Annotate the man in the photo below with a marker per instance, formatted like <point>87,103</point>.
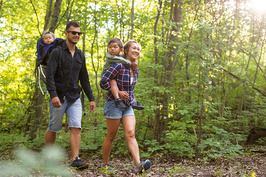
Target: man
<point>66,67</point>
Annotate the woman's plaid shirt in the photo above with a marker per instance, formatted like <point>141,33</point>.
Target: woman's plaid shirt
<point>120,73</point>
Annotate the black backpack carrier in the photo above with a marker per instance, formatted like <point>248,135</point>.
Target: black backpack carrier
<point>43,52</point>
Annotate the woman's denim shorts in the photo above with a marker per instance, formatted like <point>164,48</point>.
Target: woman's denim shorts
<point>112,112</point>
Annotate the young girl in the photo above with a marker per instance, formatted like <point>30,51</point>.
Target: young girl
<point>115,47</point>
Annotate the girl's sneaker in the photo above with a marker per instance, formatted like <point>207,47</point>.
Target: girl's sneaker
<point>143,166</point>
<point>107,169</point>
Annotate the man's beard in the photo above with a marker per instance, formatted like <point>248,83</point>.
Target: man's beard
<point>72,42</point>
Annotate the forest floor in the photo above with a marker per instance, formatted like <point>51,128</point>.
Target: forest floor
<point>252,165</point>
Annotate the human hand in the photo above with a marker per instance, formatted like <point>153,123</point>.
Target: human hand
<point>92,106</point>
<point>134,65</point>
<point>123,95</point>
<point>56,102</point>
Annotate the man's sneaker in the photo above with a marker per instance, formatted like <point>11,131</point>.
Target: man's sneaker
<point>119,103</point>
<point>143,166</point>
<point>107,169</point>
<point>136,105</point>
<point>77,163</point>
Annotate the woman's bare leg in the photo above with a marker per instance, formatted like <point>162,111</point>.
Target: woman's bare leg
<point>129,123</point>
<point>112,127</point>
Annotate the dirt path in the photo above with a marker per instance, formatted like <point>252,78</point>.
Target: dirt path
<point>253,165</point>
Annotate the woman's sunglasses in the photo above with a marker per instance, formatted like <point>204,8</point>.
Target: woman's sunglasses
<point>75,32</point>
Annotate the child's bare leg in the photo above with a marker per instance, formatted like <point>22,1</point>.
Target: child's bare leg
<point>114,89</point>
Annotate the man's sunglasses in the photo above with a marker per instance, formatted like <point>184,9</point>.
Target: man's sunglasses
<point>75,32</point>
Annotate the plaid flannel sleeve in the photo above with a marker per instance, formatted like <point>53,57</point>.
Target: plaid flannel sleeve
<point>109,75</point>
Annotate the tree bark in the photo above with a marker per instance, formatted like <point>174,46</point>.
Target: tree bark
<point>169,62</point>
<point>1,4</point>
<point>48,14</point>
<point>132,19</point>
<point>38,22</point>
<point>55,16</point>
<point>92,46</point>
<point>38,98</point>
<point>70,11</point>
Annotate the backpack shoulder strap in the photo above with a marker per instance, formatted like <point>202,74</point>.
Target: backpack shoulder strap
<point>61,59</point>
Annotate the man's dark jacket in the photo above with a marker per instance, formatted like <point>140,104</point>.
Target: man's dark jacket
<point>64,73</point>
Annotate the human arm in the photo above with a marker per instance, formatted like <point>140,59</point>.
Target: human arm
<point>109,75</point>
<point>123,95</point>
<point>50,75</point>
<point>56,102</point>
<point>92,106</point>
<point>114,89</point>
<point>134,65</point>
<point>85,83</point>
<point>116,92</point>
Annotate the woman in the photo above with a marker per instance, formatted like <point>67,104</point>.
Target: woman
<point>126,80</point>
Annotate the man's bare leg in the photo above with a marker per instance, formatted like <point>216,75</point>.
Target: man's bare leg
<point>74,139</point>
<point>50,138</point>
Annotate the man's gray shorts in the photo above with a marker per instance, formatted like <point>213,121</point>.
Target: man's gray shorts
<point>73,111</point>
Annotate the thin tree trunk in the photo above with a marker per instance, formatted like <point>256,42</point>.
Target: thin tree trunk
<point>132,19</point>
<point>156,39</point>
<point>1,4</point>
<point>36,116</point>
<point>92,46</point>
<point>169,63</point>
<point>55,16</point>
<point>38,98</point>
<point>38,22</point>
<point>70,11</point>
<point>261,51</point>
<point>48,14</point>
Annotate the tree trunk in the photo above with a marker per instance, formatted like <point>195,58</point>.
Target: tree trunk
<point>48,14</point>
<point>169,62</point>
<point>55,16</point>
<point>1,4</point>
<point>92,46</point>
<point>70,10</point>
<point>38,98</point>
<point>132,19</point>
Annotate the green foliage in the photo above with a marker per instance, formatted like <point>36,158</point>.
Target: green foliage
<point>178,140</point>
<point>93,132</point>
<point>29,163</point>
<point>179,170</point>
<point>218,142</point>
<point>218,74</point>
<point>108,170</point>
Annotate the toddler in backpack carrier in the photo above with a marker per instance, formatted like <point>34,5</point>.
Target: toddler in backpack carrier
<point>45,45</point>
